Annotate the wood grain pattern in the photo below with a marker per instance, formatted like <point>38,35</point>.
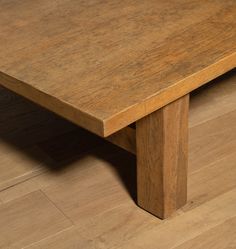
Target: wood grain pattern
<point>213,100</point>
<point>103,231</point>
<point>29,219</point>
<point>182,228</point>
<point>23,123</point>
<point>104,65</point>
<point>92,193</point>
<point>17,166</point>
<point>213,134</point>
<point>87,188</point>
<point>186,226</point>
<point>222,236</point>
<point>162,148</point>
<point>67,239</point>
<point>22,126</point>
<point>203,183</point>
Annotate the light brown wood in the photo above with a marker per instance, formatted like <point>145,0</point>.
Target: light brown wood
<point>104,65</point>
<point>45,219</point>
<point>213,138</point>
<point>222,236</point>
<point>213,100</point>
<point>203,184</point>
<point>93,190</point>
<point>181,229</point>
<point>125,138</point>
<point>162,148</point>
<point>186,226</point>
<point>67,239</point>
<point>22,126</point>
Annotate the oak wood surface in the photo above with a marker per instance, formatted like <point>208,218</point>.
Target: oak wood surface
<point>217,131</point>
<point>222,236</point>
<point>92,190</point>
<point>22,125</point>
<point>187,226</point>
<point>69,238</point>
<point>162,158</point>
<point>213,99</point>
<point>106,64</point>
<point>45,219</point>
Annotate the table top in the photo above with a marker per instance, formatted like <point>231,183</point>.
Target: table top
<point>105,64</point>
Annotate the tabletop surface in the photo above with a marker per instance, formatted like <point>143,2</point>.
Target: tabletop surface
<point>105,64</point>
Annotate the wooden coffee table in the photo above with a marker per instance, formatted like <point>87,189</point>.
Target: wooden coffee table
<point>122,70</point>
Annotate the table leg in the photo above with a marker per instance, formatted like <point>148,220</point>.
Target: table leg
<point>162,156</point>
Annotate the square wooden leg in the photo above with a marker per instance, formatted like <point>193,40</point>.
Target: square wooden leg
<point>162,156</point>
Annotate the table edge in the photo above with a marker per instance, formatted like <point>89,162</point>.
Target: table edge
<point>129,115</point>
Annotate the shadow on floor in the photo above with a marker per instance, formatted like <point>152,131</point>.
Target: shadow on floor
<point>56,143</point>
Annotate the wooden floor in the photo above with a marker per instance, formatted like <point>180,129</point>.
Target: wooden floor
<point>62,187</point>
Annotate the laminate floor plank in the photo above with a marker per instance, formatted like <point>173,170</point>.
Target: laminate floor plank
<point>142,234</point>
<point>210,134</point>
<point>91,193</point>
<point>222,236</point>
<point>17,166</point>
<point>52,145</point>
<point>67,239</point>
<point>186,226</point>
<point>70,165</point>
<point>26,131</point>
<point>95,189</point>
<point>97,231</point>
<point>211,181</point>
<point>29,219</point>
<point>213,99</point>
<point>127,221</point>
<point>212,140</point>
<point>19,190</point>
<point>203,184</point>
<point>24,124</point>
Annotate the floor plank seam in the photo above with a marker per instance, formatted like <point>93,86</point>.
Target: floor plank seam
<point>210,200</point>
<point>209,120</point>
<point>24,180</point>
<point>209,165</point>
<point>198,219</point>
<point>48,237</point>
<point>19,197</point>
<point>56,207</point>
<point>205,231</point>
